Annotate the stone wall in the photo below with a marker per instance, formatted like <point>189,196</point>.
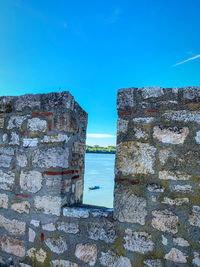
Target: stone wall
<point>156,216</point>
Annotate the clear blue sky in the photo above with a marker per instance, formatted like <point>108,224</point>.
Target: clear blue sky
<point>92,48</point>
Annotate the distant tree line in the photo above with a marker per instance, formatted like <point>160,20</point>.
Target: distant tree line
<point>101,149</point>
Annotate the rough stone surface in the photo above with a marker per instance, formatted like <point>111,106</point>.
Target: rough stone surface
<point>122,125</point>
<point>49,227</point>
<point>55,139</point>
<point>21,207</point>
<point>76,212</point>
<point>63,263</point>
<point>153,263</point>
<point>127,206</point>
<point>167,175</point>
<point>182,188</point>
<point>30,142</point>
<point>38,255</point>
<point>4,201</point>
<point>171,135</point>
<point>176,255</point>
<point>52,157</point>
<point>87,253</point>
<point>57,245</point>
<point>35,223</point>
<point>15,122</point>
<point>22,160</point>
<point>31,181</point>
<point>14,227</point>
<point>194,218</point>
<point>165,221</point>
<point>13,246</point>
<point>31,235</point>
<point>14,139</point>
<point>197,137</point>
<point>110,259</point>
<point>181,242</point>
<point>140,242</point>
<point>48,205</point>
<point>37,124</point>
<point>134,157</point>
<point>70,228</point>
<point>196,260</point>
<point>176,201</point>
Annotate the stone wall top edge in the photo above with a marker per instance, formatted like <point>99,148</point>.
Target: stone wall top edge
<point>156,97</point>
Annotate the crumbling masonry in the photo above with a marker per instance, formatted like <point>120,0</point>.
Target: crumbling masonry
<point>156,216</point>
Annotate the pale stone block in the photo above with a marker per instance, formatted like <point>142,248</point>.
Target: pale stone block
<point>182,188</point>
<point>14,227</point>
<point>153,187</point>
<point>31,181</point>
<point>171,135</point>
<point>140,134</point>
<point>7,180</point>
<point>70,228</point>
<point>165,221</point>
<point>148,92</point>
<point>13,246</point>
<point>55,139</point>
<point>35,223</point>
<point>153,263</point>
<point>30,142</point>
<point>102,231</point>
<point>164,154</point>
<point>31,235</point>
<point>5,161</point>
<point>167,175</point>
<point>76,212</point>
<point>57,245</point>
<point>182,115</point>
<point>37,125</point>
<point>134,158</point>
<point>176,201</point>
<point>22,160</point>
<point>194,218</point>
<point>50,158</point>
<point>48,205</point>
<point>49,227</point>
<point>164,240</point>
<point>21,207</point>
<point>196,259</point>
<point>27,101</point>
<point>16,122</point>
<point>87,253</point>
<point>181,242</point>
<point>143,120</point>
<point>176,256</point>
<point>127,206</point>
<point>140,242</point>
<point>110,259</point>
<point>79,148</point>
<point>4,201</point>
<point>38,255</point>
<point>63,263</point>
<point>65,122</point>
<point>14,139</point>
<point>122,126</point>
<point>5,138</point>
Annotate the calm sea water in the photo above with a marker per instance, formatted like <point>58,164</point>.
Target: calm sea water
<point>99,170</point>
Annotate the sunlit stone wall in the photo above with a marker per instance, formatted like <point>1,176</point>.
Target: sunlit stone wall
<point>157,190</point>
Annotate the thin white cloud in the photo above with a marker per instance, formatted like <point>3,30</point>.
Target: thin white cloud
<point>93,135</point>
<point>189,59</point>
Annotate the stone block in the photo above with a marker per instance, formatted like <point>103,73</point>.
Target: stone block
<point>134,158</point>
<point>14,227</point>
<point>14,140</point>
<point>30,142</point>
<point>63,263</point>
<point>76,212</point>
<point>37,254</point>
<point>194,217</point>
<point>104,231</point>
<point>87,253</point>
<point>27,101</point>
<point>176,201</point>
<point>48,205</point>
<point>49,227</point>
<point>68,227</point>
<point>110,259</point>
<point>37,125</point>
<point>197,137</point>
<point>165,221</point>
<point>4,201</point>
<point>153,263</point>
<point>170,135</point>
<point>21,160</point>
<point>13,246</point>
<point>51,158</point>
<point>7,180</point>
<point>140,242</point>
<point>16,122</point>
<point>56,139</point>
<point>179,241</point>
<point>31,181</point>
<point>65,122</point>
<point>176,255</point>
<point>31,235</point>
<point>1,122</point>
<point>21,207</point>
<point>127,206</point>
<point>167,175</point>
<point>56,245</point>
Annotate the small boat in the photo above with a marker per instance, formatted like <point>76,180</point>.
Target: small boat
<point>94,187</point>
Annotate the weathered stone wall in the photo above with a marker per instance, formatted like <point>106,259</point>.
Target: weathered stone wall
<point>156,216</point>
<point>157,191</point>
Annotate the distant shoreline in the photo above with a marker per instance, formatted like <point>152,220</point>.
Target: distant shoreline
<point>101,150</point>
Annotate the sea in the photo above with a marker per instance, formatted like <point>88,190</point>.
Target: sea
<point>99,171</point>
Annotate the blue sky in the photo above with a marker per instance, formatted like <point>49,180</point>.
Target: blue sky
<point>92,48</point>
